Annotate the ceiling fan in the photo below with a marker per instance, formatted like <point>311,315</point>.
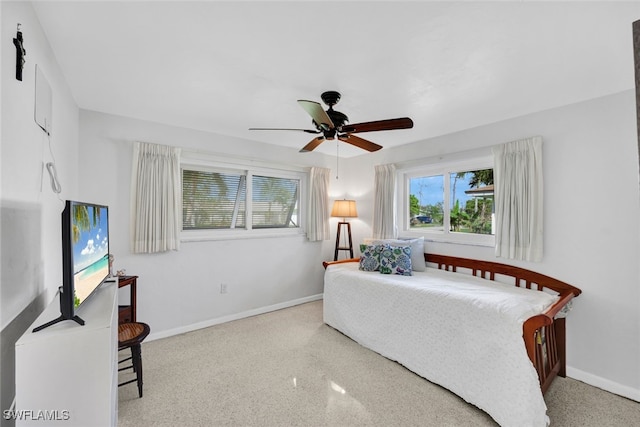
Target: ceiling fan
<point>331,124</point>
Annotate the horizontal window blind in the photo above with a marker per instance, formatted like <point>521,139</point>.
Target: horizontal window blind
<point>274,202</point>
<point>213,200</point>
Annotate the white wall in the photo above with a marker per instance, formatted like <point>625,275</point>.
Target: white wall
<point>179,291</point>
<point>592,228</point>
<point>30,271</point>
<point>25,149</point>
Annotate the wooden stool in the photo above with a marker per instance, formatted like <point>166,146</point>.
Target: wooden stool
<point>131,335</point>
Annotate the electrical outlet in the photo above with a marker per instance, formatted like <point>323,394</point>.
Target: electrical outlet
<point>223,288</point>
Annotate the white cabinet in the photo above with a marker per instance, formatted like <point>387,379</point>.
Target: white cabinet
<point>67,374</point>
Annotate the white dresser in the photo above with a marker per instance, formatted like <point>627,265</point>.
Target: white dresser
<point>67,374</point>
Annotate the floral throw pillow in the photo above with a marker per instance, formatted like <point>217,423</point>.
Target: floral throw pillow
<point>370,259</point>
<point>395,260</point>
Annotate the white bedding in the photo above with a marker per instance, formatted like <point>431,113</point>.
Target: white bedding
<point>455,330</point>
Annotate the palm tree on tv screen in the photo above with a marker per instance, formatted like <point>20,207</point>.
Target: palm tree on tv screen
<point>82,221</point>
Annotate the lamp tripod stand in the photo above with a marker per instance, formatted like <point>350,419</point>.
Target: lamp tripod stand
<point>343,248</point>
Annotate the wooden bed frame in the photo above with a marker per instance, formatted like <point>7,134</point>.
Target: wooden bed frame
<point>543,334</point>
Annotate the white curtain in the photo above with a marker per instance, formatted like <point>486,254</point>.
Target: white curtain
<point>384,209</point>
<point>318,218</point>
<point>156,198</point>
<point>518,197</point>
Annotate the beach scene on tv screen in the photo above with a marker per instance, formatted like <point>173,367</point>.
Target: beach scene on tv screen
<point>90,249</point>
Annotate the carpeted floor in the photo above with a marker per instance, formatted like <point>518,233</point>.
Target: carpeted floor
<point>287,368</point>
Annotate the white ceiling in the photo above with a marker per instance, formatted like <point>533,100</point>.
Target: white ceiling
<point>227,66</point>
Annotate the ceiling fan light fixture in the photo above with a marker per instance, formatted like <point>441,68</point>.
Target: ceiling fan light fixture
<point>330,97</point>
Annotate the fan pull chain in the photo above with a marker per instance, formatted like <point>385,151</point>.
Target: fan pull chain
<point>337,157</point>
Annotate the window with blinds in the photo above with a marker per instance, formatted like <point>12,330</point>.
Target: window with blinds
<point>212,200</point>
<point>274,202</point>
<point>218,200</point>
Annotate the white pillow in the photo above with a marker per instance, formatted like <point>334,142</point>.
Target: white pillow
<point>417,252</point>
<point>417,249</point>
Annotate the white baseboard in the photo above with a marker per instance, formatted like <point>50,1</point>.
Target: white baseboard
<point>231,317</point>
<point>604,384</point>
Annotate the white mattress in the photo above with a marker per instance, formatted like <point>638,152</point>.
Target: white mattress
<point>456,330</point>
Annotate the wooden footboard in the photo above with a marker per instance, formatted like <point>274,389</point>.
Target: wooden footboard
<point>543,334</point>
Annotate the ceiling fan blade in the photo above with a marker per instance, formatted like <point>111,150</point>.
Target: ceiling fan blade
<point>313,144</point>
<point>359,142</point>
<point>317,113</point>
<point>390,124</point>
<point>299,130</point>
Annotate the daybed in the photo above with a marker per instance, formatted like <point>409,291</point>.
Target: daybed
<point>459,325</point>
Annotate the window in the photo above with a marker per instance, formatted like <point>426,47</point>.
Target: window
<point>426,201</point>
<point>221,202</point>
<point>472,202</point>
<point>275,202</point>
<point>449,203</point>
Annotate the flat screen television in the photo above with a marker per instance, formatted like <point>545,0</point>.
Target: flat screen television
<point>85,256</point>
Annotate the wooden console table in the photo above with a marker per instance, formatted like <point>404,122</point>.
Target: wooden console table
<point>127,313</point>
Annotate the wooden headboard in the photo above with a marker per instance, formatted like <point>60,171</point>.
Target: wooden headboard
<point>489,270</point>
